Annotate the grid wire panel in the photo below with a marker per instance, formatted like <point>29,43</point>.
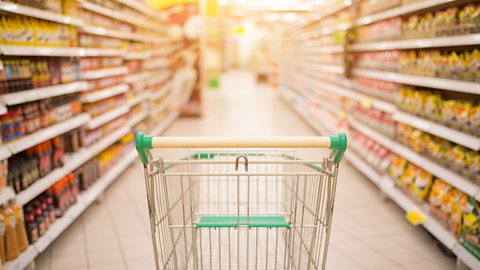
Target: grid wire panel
<point>178,202</point>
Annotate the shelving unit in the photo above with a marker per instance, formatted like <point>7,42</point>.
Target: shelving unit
<point>313,89</point>
<point>146,41</point>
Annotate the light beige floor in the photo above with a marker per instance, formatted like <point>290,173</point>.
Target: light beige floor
<point>369,233</point>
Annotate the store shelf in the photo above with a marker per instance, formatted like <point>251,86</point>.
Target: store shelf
<point>105,72</point>
<point>141,7</point>
<point>322,67</point>
<point>4,152</point>
<point>137,55</point>
<point>139,98</point>
<point>39,13</point>
<point>83,201</point>
<point>439,130</point>
<point>105,93</point>
<point>44,92</point>
<point>466,257</point>
<point>157,63</point>
<point>97,52</point>
<point>433,226</point>
<point>432,167</point>
<point>318,49</point>
<point>432,82</point>
<point>161,92</point>
<point>87,197</point>
<point>142,76</point>
<point>108,116</point>
<point>437,42</point>
<point>124,17</point>
<point>72,162</point>
<point>23,260</point>
<point>363,99</point>
<point>328,11</point>
<point>57,51</point>
<point>402,10</point>
<point>38,50</point>
<point>364,167</point>
<point>137,119</point>
<point>48,133</point>
<point>160,108</point>
<point>6,193</point>
<point>159,78</point>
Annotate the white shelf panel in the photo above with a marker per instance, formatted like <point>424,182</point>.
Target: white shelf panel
<point>139,98</point>
<point>161,92</point>
<point>439,130</point>
<point>44,92</point>
<point>71,163</point>
<point>142,76</point>
<point>137,119</point>
<point>108,116</point>
<point>159,78</point>
<point>141,7</point>
<point>105,93</point>
<point>6,194</point>
<point>105,72</point>
<point>432,82</point>
<point>451,41</point>
<point>363,167</point>
<point>327,12</point>
<point>57,51</point>
<point>138,55</point>
<point>466,257</point>
<point>38,50</point>
<point>44,134</point>
<point>432,167</point>
<point>116,15</point>
<point>4,152</point>
<point>23,260</point>
<point>319,49</point>
<point>40,14</point>
<point>93,52</point>
<point>394,12</point>
<point>364,99</point>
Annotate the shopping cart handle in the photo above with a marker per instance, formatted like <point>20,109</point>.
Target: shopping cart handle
<point>338,143</point>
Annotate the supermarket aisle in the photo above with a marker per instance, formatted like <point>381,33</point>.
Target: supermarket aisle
<point>368,233</point>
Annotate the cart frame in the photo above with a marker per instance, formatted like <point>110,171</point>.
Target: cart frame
<point>206,212</point>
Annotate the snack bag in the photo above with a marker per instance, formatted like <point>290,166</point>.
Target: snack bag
<point>432,105</point>
<point>475,168</point>
<point>408,178</point>
<point>417,140</point>
<point>397,168</point>
<point>458,159</point>
<point>474,120</point>
<point>457,203</point>
<point>436,199</point>
<point>422,184</point>
<point>470,237</point>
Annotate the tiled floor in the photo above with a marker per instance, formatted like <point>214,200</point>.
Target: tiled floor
<point>369,232</point>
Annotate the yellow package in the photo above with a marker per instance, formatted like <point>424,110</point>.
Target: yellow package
<point>408,177</point>
<point>397,168</point>
<point>422,184</point>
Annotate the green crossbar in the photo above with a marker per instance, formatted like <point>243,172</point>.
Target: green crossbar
<point>235,221</point>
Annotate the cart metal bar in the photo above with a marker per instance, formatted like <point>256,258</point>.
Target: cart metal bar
<point>338,143</point>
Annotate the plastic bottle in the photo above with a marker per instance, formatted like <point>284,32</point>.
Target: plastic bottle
<point>11,243</point>
<point>20,230</point>
<point>2,238</point>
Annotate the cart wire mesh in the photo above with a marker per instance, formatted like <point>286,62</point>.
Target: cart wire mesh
<point>241,209</point>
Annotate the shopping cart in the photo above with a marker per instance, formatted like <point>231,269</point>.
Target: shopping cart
<point>240,209</point>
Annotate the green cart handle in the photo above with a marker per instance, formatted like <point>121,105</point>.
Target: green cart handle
<point>338,143</point>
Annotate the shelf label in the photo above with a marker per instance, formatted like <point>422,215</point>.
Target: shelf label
<point>416,217</point>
